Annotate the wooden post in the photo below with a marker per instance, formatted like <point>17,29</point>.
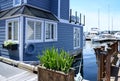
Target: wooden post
<point>70,15</point>
<point>98,56</point>
<point>108,64</point>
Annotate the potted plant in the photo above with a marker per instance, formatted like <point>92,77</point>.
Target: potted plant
<point>10,45</point>
<point>55,66</point>
<point>12,48</point>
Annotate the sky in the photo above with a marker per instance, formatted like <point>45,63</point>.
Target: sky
<point>104,14</point>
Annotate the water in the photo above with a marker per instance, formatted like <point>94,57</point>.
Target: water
<point>89,63</point>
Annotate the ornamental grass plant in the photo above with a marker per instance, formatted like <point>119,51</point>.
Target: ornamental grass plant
<point>58,61</point>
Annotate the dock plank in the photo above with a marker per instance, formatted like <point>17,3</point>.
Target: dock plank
<point>11,73</point>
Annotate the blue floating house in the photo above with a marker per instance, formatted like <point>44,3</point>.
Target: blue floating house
<point>39,24</point>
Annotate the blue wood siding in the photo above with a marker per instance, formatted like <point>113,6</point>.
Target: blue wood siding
<point>64,9</point>
<point>3,52</point>
<point>54,7</point>
<point>44,4</point>
<point>65,41</point>
<point>2,31</point>
<point>5,4</point>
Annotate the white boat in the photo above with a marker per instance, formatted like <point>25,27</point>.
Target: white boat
<point>94,32</point>
<point>117,35</point>
<point>103,37</point>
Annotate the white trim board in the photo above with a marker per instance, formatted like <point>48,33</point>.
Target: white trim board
<point>21,39</point>
<point>67,22</point>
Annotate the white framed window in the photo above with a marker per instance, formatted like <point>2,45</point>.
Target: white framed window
<point>34,30</point>
<point>76,40</point>
<point>50,31</point>
<point>17,2</point>
<point>12,29</point>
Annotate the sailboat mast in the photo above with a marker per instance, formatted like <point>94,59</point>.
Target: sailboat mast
<point>108,18</point>
<point>99,19</point>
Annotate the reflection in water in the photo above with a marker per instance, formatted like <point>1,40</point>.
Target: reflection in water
<point>90,66</point>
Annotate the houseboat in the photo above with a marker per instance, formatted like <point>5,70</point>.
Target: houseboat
<point>35,25</point>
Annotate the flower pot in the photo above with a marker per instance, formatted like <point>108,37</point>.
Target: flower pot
<point>5,47</point>
<point>14,54</point>
<point>11,47</point>
<point>14,47</point>
<point>50,75</point>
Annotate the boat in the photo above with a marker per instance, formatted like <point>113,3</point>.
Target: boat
<point>94,32</point>
<point>117,35</point>
<point>103,38</point>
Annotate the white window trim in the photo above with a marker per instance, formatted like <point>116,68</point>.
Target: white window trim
<point>9,20</point>
<point>17,4</point>
<point>73,37</point>
<point>35,40</point>
<point>55,35</point>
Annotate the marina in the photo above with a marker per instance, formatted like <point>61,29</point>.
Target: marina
<point>59,40</point>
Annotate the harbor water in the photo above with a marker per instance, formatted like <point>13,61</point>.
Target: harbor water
<point>89,62</point>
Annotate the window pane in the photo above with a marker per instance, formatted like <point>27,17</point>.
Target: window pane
<point>30,30</point>
<point>48,34</point>
<point>9,30</point>
<point>38,30</point>
<point>76,37</point>
<point>52,31</point>
<point>15,30</point>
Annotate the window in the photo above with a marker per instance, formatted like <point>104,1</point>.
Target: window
<point>76,37</point>
<point>50,31</point>
<point>12,30</point>
<point>16,2</point>
<point>34,30</point>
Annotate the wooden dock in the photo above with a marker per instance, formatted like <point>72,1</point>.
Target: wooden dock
<point>25,76</point>
<point>22,72</point>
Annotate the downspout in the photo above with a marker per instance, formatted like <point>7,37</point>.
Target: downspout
<point>21,39</point>
<point>59,3</point>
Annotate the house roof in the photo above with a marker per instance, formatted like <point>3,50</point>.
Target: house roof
<point>28,10</point>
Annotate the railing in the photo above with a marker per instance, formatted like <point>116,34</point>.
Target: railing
<point>77,19</point>
<point>105,59</point>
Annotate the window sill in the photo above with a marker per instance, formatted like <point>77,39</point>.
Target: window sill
<point>50,40</point>
<point>34,41</point>
<point>77,47</point>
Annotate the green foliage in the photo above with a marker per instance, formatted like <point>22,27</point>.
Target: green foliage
<point>54,60</point>
<point>8,42</point>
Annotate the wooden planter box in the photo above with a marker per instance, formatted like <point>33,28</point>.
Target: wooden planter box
<point>50,75</point>
<point>11,47</point>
